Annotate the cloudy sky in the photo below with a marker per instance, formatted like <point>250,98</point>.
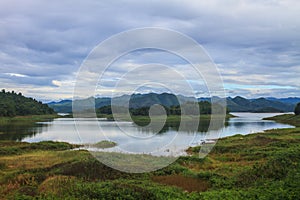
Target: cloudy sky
<point>255,44</point>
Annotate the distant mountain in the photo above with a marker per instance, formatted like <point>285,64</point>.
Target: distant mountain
<point>135,101</point>
<point>146,100</point>
<point>100,102</point>
<point>64,106</point>
<point>236,104</point>
<point>203,99</point>
<point>267,110</point>
<point>289,100</point>
<point>61,102</point>
<point>166,99</point>
<point>240,104</point>
<point>233,106</point>
<point>13,104</point>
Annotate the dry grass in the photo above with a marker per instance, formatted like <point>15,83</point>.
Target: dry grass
<point>34,160</point>
<point>56,184</point>
<point>186,183</point>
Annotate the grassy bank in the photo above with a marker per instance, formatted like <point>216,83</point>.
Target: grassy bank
<point>257,166</point>
<point>287,119</point>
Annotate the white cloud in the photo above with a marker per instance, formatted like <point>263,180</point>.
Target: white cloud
<point>16,75</point>
<point>42,43</point>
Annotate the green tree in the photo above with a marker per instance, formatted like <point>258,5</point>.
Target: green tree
<point>297,109</point>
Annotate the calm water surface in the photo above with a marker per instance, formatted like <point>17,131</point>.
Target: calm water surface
<point>132,138</point>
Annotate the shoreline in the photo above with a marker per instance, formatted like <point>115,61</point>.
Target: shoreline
<point>290,119</point>
<point>38,118</point>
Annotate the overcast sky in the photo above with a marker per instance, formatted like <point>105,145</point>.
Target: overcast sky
<point>254,43</point>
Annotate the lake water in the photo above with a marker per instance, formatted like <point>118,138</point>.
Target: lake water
<point>134,139</point>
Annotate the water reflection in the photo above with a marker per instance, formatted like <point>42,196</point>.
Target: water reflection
<point>184,126</point>
<point>94,130</point>
<point>17,131</point>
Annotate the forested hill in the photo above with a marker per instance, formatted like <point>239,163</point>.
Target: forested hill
<point>136,101</point>
<point>13,104</point>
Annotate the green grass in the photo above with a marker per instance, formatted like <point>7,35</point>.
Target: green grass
<point>104,144</point>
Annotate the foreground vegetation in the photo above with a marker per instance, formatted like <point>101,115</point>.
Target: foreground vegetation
<point>258,166</point>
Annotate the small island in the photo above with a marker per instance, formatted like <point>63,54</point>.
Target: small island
<point>104,144</point>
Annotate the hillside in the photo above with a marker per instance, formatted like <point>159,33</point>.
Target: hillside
<point>289,100</point>
<point>240,104</point>
<point>13,104</point>
<point>63,106</point>
<point>135,101</point>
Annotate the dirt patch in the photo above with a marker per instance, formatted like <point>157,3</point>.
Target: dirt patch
<point>187,183</point>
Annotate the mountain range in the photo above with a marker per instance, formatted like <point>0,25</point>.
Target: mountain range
<point>236,104</point>
<point>240,104</point>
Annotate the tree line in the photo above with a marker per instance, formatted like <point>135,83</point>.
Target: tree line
<point>15,104</point>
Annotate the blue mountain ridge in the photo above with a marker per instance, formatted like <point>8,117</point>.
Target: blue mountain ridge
<point>236,104</point>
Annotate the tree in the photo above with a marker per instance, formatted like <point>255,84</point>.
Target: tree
<point>297,109</point>
<point>12,104</point>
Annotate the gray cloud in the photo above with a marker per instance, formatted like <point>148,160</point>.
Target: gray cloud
<point>252,42</point>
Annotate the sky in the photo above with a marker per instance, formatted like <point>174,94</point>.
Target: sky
<point>255,44</point>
